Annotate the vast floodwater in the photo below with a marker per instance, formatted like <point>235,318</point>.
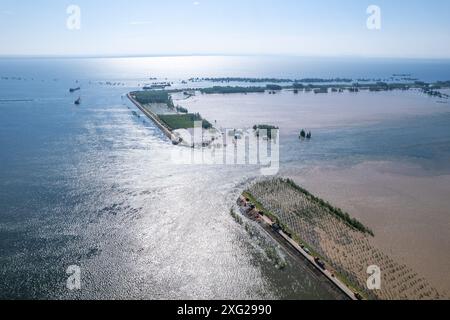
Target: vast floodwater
<point>94,186</point>
<point>347,127</point>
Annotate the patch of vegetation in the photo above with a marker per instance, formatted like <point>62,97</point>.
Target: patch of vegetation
<point>228,90</point>
<point>321,90</point>
<point>184,121</point>
<point>345,84</point>
<point>259,206</point>
<point>250,80</point>
<point>236,217</point>
<point>435,93</point>
<point>182,110</point>
<point>283,227</point>
<point>153,96</point>
<point>267,130</point>
<point>443,84</point>
<point>273,256</point>
<point>344,216</point>
<point>269,250</point>
<point>305,135</point>
<point>250,230</point>
<point>320,80</point>
<point>274,87</point>
<point>273,80</point>
<point>306,246</point>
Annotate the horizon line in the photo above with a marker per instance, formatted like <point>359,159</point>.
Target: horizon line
<point>163,55</point>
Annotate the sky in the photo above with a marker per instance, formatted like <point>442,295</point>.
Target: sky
<point>409,28</point>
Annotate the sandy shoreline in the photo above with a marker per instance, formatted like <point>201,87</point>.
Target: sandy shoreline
<point>407,209</point>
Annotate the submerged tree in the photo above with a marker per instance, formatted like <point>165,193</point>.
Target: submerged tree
<point>303,134</point>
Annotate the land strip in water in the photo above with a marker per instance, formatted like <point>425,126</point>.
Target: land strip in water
<point>271,226</point>
<point>317,86</point>
<point>332,242</point>
<point>157,105</point>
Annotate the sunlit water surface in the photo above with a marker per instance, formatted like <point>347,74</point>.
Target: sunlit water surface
<point>94,186</point>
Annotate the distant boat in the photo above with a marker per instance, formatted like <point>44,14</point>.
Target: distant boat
<point>74,89</point>
<point>78,101</point>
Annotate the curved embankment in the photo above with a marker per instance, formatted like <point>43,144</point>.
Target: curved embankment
<point>152,116</point>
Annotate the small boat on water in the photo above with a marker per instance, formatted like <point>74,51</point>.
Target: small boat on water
<point>78,101</point>
<point>74,89</point>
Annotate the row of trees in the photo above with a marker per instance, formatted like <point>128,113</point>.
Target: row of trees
<point>305,135</point>
<point>154,96</point>
<point>267,129</point>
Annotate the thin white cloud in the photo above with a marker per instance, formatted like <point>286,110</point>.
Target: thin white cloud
<point>140,23</point>
<point>196,3</point>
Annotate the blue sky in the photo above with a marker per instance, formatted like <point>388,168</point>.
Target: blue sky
<point>409,28</point>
